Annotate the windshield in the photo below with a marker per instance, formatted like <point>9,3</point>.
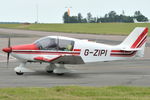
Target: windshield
<point>55,44</point>
<point>46,44</point>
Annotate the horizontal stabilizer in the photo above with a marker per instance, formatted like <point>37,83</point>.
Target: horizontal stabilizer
<point>132,49</point>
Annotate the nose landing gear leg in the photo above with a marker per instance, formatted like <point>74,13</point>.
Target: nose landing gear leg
<point>21,69</point>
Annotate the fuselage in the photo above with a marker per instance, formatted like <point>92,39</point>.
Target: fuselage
<point>58,51</point>
<point>88,50</point>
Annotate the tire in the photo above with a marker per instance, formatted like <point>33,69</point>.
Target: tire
<point>49,71</point>
<point>60,74</point>
<point>19,73</point>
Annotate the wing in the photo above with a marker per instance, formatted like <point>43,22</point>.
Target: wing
<point>66,59</point>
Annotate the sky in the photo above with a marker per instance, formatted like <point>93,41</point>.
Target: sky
<point>51,11</point>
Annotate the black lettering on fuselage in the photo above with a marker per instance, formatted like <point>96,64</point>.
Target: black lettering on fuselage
<point>96,52</point>
<point>86,53</point>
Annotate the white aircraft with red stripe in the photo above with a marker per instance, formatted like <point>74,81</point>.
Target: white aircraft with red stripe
<point>58,51</point>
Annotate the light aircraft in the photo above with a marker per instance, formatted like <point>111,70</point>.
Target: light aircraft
<point>59,50</point>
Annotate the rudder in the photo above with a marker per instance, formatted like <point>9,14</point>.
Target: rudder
<point>136,39</point>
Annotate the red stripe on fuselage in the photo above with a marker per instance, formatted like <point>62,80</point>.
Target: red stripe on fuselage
<point>46,52</point>
<point>124,55</point>
<point>120,51</point>
<point>76,49</point>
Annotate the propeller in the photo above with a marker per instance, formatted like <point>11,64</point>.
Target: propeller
<point>8,50</point>
<point>8,53</point>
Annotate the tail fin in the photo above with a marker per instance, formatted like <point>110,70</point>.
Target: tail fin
<point>136,41</point>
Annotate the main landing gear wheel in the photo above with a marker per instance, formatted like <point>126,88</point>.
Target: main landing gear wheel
<point>49,71</point>
<point>50,68</point>
<point>19,73</point>
<point>60,74</point>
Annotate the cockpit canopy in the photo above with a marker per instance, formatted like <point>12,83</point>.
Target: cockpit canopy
<point>55,43</point>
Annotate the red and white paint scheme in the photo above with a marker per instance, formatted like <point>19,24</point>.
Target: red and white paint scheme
<point>58,50</point>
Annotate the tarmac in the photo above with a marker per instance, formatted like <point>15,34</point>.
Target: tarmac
<point>117,73</point>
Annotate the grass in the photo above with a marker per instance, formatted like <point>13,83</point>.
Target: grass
<point>76,93</point>
<point>93,28</point>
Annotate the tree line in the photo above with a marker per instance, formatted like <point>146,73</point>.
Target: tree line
<point>112,16</point>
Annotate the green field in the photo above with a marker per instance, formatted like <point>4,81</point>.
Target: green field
<point>95,28</point>
<point>76,93</point>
